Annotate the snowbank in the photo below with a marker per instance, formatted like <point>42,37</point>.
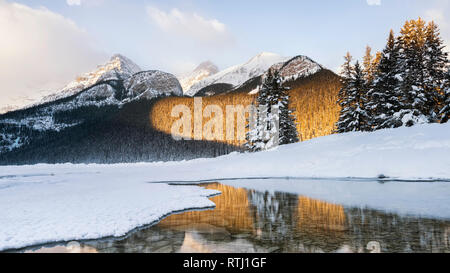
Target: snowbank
<point>421,152</point>
<point>40,208</point>
<point>417,153</point>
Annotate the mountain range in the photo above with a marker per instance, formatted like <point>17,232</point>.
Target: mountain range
<point>106,115</point>
<point>118,68</point>
<point>239,74</point>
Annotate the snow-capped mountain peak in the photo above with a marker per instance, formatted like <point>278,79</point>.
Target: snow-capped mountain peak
<point>264,58</point>
<point>202,71</point>
<point>208,66</point>
<point>298,67</point>
<point>118,67</point>
<point>239,74</point>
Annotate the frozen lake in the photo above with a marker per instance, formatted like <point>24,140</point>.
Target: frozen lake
<point>278,215</point>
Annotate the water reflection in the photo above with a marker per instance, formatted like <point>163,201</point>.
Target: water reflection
<point>253,221</point>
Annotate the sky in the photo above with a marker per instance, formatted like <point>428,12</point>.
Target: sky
<point>47,43</point>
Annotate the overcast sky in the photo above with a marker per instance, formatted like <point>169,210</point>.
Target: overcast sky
<point>46,43</point>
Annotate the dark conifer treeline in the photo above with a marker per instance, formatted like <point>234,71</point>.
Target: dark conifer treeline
<point>111,134</point>
<point>405,84</point>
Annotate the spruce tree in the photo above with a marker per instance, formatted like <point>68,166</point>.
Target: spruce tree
<point>258,136</point>
<point>416,100</point>
<point>268,120</point>
<point>445,112</point>
<point>370,67</point>
<point>346,77</point>
<point>354,116</point>
<point>278,112</point>
<point>384,95</point>
<point>436,62</point>
<point>288,128</point>
<point>272,116</point>
<point>253,131</point>
<point>361,119</point>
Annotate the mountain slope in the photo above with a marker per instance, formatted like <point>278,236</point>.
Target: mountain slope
<point>118,68</point>
<point>22,127</point>
<point>204,70</point>
<point>129,118</point>
<point>297,67</point>
<point>239,74</point>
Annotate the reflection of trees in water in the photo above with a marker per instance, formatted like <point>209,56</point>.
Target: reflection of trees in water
<point>297,224</point>
<point>321,226</point>
<point>232,212</point>
<point>302,224</point>
<point>274,217</point>
<point>246,221</point>
<point>396,233</point>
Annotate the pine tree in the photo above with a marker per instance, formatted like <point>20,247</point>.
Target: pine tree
<point>385,93</point>
<point>273,122</point>
<point>258,135</point>
<point>416,100</point>
<point>253,131</point>
<point>436,62</point>
<point>370,67</point>
<point>354,116</point>
<point>445,112</point>
<point>288,128</point>
<point>346,76</point>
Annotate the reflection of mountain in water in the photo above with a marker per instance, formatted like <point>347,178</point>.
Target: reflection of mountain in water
<point>252,221</point>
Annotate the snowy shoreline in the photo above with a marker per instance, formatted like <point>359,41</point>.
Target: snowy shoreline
<point>45,209</point>
<point>65,202</point>
<point>106,238</point>
<point>417,153</point>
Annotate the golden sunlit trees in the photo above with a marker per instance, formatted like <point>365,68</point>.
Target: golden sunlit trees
<point>417,100</point>
<point>370,64</point>
<point>313,100</point>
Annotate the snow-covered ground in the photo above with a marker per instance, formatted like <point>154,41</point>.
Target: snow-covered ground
<point>76,204</point>
<point>45,203</point>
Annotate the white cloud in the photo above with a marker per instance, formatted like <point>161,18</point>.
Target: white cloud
<point>40,51</point>
<point>84,2</point>
<point>374,2</point>
<point>73,2</point>
<point>191,25</point>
